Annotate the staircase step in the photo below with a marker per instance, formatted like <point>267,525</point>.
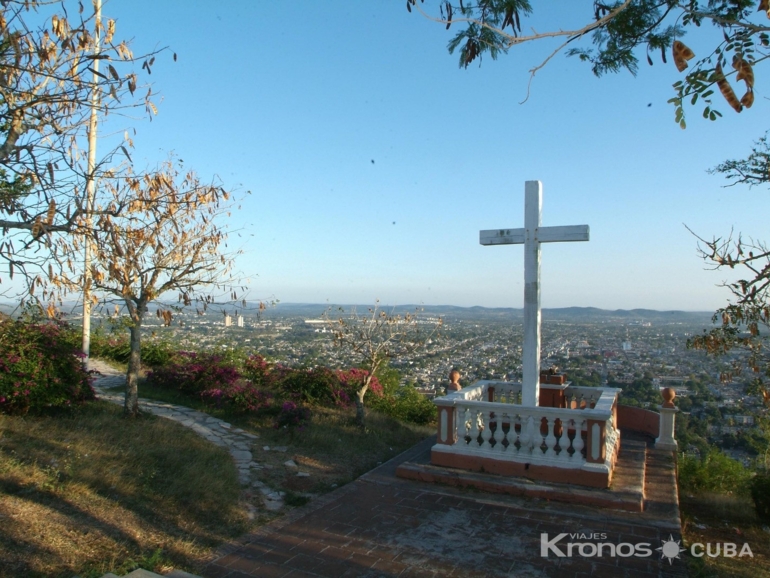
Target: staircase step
<point>141,573</point>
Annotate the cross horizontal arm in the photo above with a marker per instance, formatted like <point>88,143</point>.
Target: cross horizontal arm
<point>562,234</point>
<point>502,237</point>
<point>542,235</point>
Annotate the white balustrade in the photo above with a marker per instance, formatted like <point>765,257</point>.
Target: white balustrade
<point>553,436</point>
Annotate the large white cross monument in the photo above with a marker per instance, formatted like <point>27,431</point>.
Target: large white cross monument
<point>531,236</point>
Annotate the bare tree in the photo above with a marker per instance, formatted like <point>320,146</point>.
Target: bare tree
<point>166,237</point>
<point>744,324</point>
<point>47,67</point>
<point>376,338</point>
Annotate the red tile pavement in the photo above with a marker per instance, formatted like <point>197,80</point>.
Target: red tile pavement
<point>381,525</point>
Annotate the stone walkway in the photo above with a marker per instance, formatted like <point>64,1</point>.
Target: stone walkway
<point>239,443</point>
<point>384,526</point>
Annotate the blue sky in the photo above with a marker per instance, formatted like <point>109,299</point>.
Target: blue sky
<point>292,101</point>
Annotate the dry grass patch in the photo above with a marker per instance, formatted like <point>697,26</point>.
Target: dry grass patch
<point>720,519</point>
<point>89,492</point>
<point>332,449</point>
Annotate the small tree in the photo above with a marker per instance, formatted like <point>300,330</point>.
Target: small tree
<point>166,238</point>
<point>47,63</point>
<point>376,338</point>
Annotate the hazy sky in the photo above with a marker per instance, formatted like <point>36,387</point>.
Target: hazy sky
<point>373,161</point>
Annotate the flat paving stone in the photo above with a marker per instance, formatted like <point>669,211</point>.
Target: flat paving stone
<point>382,525</point>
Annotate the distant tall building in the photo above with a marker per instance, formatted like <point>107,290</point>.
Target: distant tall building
<point>626,346</point>
<point>228,321</point>
<point>240,321</point>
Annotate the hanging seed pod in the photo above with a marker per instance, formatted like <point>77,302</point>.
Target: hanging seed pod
<point>682,54</point>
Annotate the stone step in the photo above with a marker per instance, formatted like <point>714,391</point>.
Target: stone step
<point>141,573</point>
<point>627,491</point>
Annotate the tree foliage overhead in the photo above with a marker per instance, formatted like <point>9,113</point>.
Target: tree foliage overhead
<point>617,35</point>
<point>48,56</point>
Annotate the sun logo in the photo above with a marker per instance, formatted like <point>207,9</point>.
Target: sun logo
<point>670,549</point>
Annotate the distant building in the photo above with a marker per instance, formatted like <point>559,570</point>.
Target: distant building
<point>240,321</point>
<point>228,321</point>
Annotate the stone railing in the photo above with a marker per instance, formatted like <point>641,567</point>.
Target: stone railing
<point>483,427</point>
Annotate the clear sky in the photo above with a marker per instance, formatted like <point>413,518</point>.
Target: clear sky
<point>373,160</point>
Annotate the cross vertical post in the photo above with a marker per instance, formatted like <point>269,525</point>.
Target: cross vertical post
<point>531,236</point>
<point>533,205</point>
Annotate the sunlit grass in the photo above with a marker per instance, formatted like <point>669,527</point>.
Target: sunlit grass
<point>89,492</point>
<point>333,449</point>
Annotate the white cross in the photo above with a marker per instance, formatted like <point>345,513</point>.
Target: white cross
<point>531,236</point>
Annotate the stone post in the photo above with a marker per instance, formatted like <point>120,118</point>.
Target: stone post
<point>668,411</point>
<point>447,426</point>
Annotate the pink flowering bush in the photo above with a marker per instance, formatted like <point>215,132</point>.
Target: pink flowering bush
<point>259,371</point>
<point>241,398</point>
<point>318,385</point>
<point>353,380</point>
<point>39,367</point>
<point>193,373</point>
<point>292,416</point>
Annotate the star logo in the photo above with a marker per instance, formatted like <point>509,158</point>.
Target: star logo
<point>670,549</point>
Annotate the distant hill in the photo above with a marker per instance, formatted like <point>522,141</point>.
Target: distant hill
<point>569,314</point>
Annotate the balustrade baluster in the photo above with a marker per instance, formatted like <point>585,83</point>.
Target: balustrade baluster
<point>486,430</point>
<point>474,430</point>
<point>528,433</point>
<point>550,438</point>
<point>462,427</point>
<point>577,443</point>
<point>502,435</point>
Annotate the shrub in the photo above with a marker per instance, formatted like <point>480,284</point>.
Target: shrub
<point>319,385</point>
<point>244,397</point>
<point>195,373</point>
<point>155,351</point>
<point>714,472</point>
<point>406,404</point>
<point>760,494</point>
<point>353,380</point>
<point>292,416</point>
<point>258,371</point>
<point>39,367</point>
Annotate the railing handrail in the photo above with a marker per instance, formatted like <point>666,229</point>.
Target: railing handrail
<point>599,413</point>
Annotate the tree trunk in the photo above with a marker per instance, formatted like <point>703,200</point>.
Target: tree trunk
<point>134,363</point>
<point>360,410</point>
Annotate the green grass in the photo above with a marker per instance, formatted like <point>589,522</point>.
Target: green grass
<point>333,449</point>
<point>89,492</point>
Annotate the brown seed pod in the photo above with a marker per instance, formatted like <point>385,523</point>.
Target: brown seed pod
<point>764,6</point>
<point>748,99</point>
<point>727,90</point>
<point>682,54</point>
<point>745,71</point>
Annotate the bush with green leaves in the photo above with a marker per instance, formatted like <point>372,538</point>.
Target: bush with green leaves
<point>714,472</point>
<point>39,367</point>
<point>155,351</point>
<point>406,404</point>
<point>319,385</point>
<point>760,494</point>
